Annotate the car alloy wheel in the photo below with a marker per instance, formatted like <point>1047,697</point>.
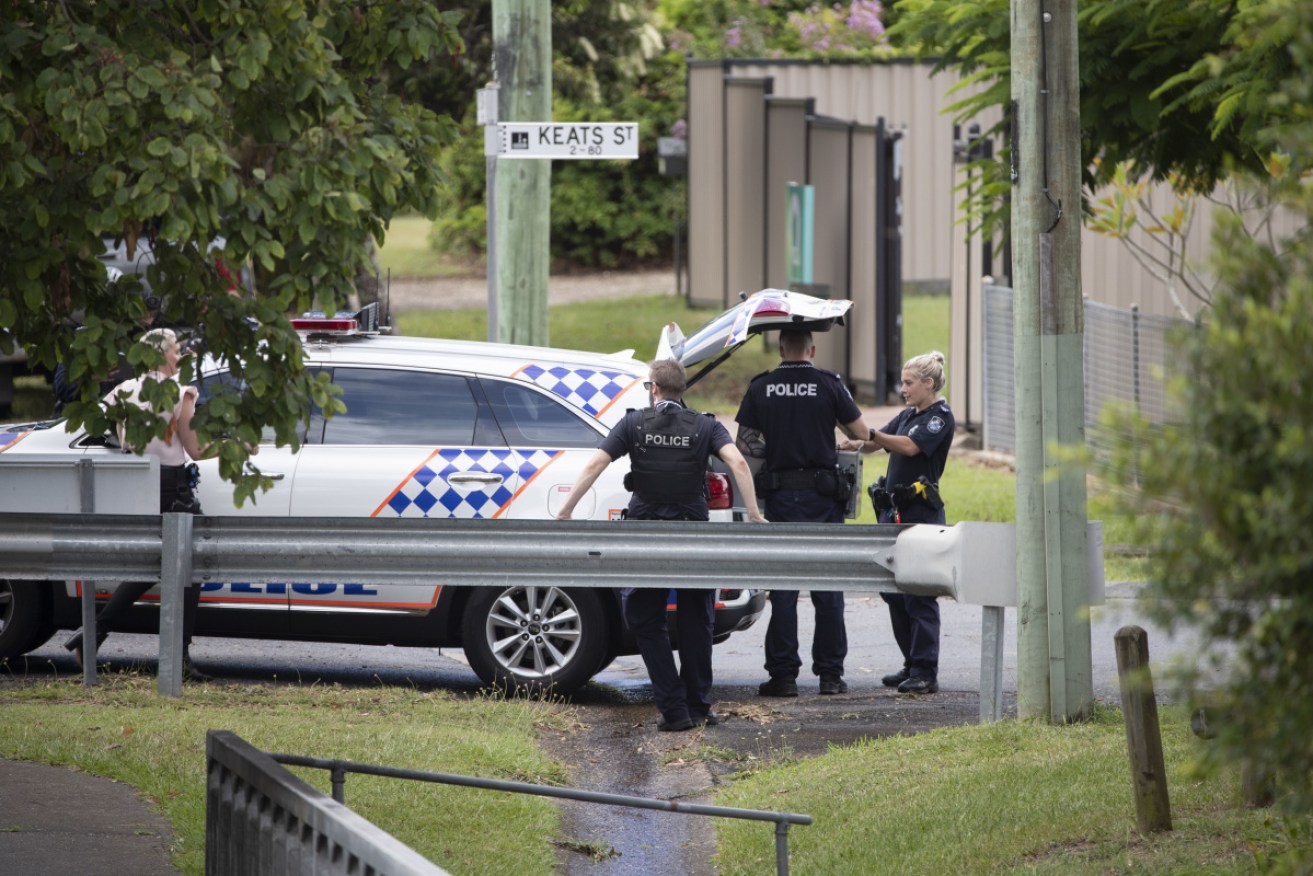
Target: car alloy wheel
<point>535,637</point>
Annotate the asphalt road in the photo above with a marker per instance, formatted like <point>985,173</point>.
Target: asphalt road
<point>738,662</point>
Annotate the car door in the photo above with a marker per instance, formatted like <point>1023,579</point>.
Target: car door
<point>411,444</point>
<point>552,441</point>
<point>278,463</point>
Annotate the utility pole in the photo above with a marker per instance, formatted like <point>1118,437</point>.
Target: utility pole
<point>520,198</point>
<point>1054,675</point>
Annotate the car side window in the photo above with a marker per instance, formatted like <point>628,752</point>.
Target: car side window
<point>532,418</point>
<point>402,407</point>
<point>221,384</point>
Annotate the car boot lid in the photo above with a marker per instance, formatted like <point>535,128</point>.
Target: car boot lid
<point>767,310</point>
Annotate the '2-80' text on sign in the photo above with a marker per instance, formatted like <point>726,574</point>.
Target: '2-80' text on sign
<point>579,140</point>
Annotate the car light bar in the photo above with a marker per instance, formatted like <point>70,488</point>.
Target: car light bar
<point>343,323</point>
<point>326,325</point>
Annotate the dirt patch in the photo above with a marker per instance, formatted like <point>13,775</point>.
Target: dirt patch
<point>616,748</point>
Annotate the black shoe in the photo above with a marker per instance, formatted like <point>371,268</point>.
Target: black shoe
<point>710,719</point>
<point>778,686</point>
<point>676,726</point>
<point>895,679</point>
<point>74,644</point>
<point>919,685</point>
<point>833,684</point>
<point>191,673</point>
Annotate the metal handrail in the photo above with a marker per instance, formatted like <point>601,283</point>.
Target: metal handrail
<point>339,768</point>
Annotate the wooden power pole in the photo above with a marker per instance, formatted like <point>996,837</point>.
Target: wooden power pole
<point>521,197</point>
<point>1054,675</point>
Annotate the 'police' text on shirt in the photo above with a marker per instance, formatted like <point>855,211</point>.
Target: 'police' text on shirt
<point>790,389</point>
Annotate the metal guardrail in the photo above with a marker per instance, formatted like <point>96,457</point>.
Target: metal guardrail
<point>969,562</point>
<point>339,768</point>
<point>260,818</point>
<point>461,552</point>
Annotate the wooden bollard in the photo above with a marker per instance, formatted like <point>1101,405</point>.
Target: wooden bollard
<point>1144,740</point>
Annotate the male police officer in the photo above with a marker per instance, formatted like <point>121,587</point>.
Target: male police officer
<point>796,407</point>
<point>668,446</point>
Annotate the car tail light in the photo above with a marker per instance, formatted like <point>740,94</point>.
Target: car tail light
<point>719,494</point>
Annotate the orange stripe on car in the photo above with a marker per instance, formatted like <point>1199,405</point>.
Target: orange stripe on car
<point>404,481</point>
<point>524,486</point>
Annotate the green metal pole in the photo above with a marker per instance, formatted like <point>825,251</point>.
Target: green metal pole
<point>1054,673</point>
<point>522,61</point>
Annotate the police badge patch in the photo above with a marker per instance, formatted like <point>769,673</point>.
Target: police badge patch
<point>935,425</point>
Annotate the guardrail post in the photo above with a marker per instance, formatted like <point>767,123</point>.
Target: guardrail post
<point>175,574</point>
<point>1144,739</point>
<point>87,497</point>
<point>991,663</point>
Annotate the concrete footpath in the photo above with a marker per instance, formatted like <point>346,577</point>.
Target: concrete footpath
<point>56,821</point>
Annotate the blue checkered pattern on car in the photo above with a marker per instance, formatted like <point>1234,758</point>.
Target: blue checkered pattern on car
<point>426,492</point>
<point>588,389</point>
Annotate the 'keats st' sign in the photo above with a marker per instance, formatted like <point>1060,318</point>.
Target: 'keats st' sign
<point>568,140</point>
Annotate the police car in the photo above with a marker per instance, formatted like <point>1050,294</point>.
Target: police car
<point>433,428</point>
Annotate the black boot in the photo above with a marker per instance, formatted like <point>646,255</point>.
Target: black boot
<point>74,644</point>
<point>190,672</point>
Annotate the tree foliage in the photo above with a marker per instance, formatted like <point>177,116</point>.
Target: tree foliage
<point>262,133</point>
<point>777,28</point>
<point>1220,493</point>
<point>609,63</point>
<point>1174,87</point>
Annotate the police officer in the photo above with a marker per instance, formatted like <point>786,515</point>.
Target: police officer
<point>668,445</point>
<point>796,407</point>
<point>917,440</point>
<point>175,450</point>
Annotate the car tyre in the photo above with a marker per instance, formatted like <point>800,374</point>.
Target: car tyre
<point>25,623</point>
<point>535,639</point>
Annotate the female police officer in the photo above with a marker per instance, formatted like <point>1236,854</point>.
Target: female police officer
<point>668,446</point>
<point>917,440</point>
<point>178,446</point>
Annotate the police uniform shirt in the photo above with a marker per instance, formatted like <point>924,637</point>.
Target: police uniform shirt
<point>932,431</point>
<point>796,406</point>
<point>623,439</point>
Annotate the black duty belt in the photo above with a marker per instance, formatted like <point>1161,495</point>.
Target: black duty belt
<point>796,479</point>
<point>825,481</point>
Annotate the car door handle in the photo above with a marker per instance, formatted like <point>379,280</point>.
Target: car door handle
<point>476,477</point>
<point>273,476</point>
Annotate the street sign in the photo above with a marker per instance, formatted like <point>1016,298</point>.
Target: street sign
<point>567,140</point>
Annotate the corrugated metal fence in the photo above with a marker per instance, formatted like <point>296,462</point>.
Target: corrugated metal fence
<point>1126,363</point>
<point>259,818</point>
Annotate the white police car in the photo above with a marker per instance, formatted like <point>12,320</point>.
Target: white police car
<point>433,428</point>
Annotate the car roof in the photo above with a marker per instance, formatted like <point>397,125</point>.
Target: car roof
<point>473,356</point>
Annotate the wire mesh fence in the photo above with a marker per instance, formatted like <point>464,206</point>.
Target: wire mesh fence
<point>1128,362</point>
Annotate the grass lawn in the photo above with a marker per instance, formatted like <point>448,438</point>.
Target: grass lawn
<point>406,253</point>
<point>1004,798</point>
<point>125,731</point>
<point>1012,797</point>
